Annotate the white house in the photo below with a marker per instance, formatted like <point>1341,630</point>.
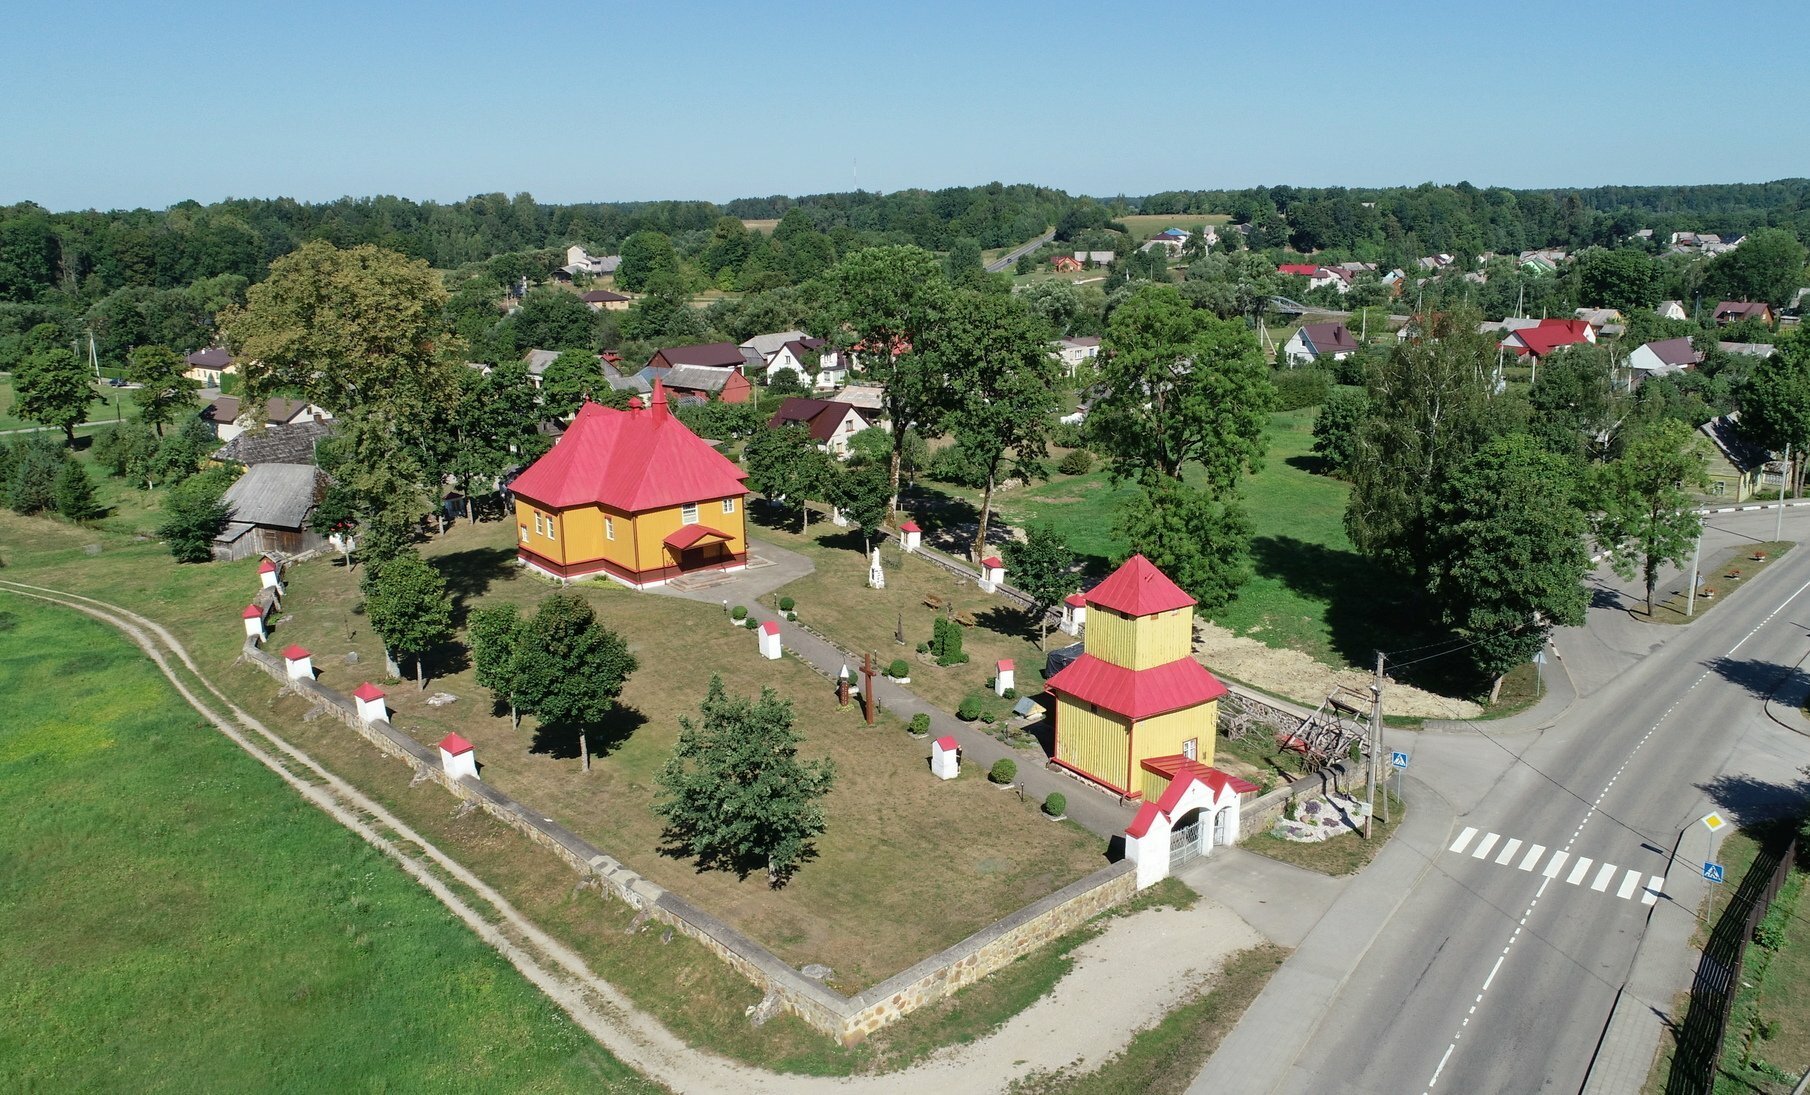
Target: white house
<point>1666,356</point>
<point>831,423</point>
<point>229,420</point>
<point>768,344</point>
<point>1076,351</point>
<point>1672,309</point>
<point>1319,341</point>
<point>828,372</point>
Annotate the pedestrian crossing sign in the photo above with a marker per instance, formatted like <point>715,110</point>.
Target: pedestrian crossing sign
<point>1398,758</point>
<point>1712,871</point>
<point>1714,821</point>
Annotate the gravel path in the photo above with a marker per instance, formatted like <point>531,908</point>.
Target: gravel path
<point>1122,981</point>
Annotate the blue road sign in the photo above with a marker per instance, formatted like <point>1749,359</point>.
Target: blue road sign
<point>1712,871</point>
<point>1399,759</point>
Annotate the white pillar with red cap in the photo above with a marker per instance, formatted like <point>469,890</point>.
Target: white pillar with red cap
<point>371,707</point>
<point>992,573</point>
<point>458,757</point>
<point>254,622</point>
<point>270,576</point>
<point>945,758</point>
<point>910,536</point>
<point>1007,678</point>
<point>298,663</point>
<point>769,640</point>
<point>1074,613</point>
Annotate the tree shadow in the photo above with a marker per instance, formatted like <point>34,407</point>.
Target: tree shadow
<point>1312,465</point>
<point>559,740</point>
<point>1761,679</point>
<point>850,539</point>
<point>1010,621</point>
<point>1754,801</point>
<point>470,573</point>
<point>675,844</point>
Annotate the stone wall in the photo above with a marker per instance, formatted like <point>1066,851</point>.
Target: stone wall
<point>1256,815</point>
<point>848,1019</point>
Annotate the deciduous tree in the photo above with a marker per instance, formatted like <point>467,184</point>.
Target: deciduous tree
<point>734,793</point>
<point>1199,541</point>
<point>53,389</point>
<point>1649,515</point>
<point>194,512</point>
<point>1043,568</point>
<point>164,394</point>
<point>499,635</point>
<point>785,465</point>
<point>572,672</point>
<point>409,608</point>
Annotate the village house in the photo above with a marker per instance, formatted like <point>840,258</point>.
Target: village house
<point>1672,309</point>
<point>602,300</point>
<point>1135,704</point>
<point>228,418</point>
<point>1730,311</point>
<point>1317,341</point>
<point>701,373</point>
<point>1604,321</point>
<point>831,423</point>
<point>1065,264</point>
<point>816,368</point>
<point>1095,258</point>
<point>579,261</point>
<point>632,495</point>
<point>765,346</point>
<point>1547,335</point>
<point>868,398</point>
<point>207,367</point>
<point>1077,351</point>
<point>1737,466</point>
<point>1664,357</point>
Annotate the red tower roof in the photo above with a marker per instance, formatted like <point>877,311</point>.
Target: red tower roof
<point>946,743</point>
<point>1137,693</point>
<point>266,567</point>
<point>629,460</point>
<point>1139,589</point>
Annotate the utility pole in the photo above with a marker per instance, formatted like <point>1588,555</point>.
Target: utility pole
<point>1690,593</point>
<point>1778,530</point>
<point>1375,744</point>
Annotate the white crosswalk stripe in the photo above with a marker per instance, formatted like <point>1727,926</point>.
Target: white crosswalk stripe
<point>1598,875</point>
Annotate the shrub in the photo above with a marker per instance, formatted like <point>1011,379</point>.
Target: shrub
<point>923,648</point>
<point>969,710</point>
<point>738,613</point>
<point>1068,435</point>
<point>1055,804</point>
<point>791,617</point>
<point>1297,388</point>
<point>946,642</point>
<point>1011,693</point>
<point>898,669</point>
<point>787,604</point>
<point>1079,462</point>
<point>1004,770</point>
<point>989,718</point>
<point>920,723</point>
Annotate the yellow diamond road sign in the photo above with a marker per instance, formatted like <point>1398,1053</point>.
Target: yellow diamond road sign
<point>1713,821</point>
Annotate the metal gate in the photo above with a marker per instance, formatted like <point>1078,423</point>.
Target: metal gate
<point>1186,840</point>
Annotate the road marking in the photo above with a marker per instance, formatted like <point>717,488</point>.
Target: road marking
<point>1533,856</point>
<point>1603,876</point>
<point>1492,974</point>
<point>1627,884</point>
<point>1508,852</point>
<point>1442,1061</point>
<point>1484,845</point>
<point>1464,839</point>
<point>1558,863</point>
<point>1653,890</point>
<point>1577,870</point>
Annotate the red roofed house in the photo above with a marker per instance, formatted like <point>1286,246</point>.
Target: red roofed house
<point>1731,310</point>
<point>831,423</point>
<point>1136,696</point>
<point>1549,335</point>
<point>631,494</point>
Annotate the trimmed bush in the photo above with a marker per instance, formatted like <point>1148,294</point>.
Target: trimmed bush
<point>969,710</point>
<point>898,669</point>
<point>946,642</point>
<point>787,604</point>
<point>738,613</point>
<point>1055,804</point>
<point>920,723</point>
<point>1003,771</point>
<point>791,617</point>
<point>989,718</point>
<point>923,648</point>
<point>1079,462</point>
<point>1011,693</point>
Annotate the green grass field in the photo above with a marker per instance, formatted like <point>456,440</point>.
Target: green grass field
<point>174,918</point>
<point>111,404</point>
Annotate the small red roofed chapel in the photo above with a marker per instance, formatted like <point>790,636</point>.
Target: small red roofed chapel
<point>633,495</point>
<point>1136,714</point>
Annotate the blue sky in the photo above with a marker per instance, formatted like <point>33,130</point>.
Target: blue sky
<point>135,104</point>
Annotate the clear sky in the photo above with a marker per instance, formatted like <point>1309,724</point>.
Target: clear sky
<point>122,104</point>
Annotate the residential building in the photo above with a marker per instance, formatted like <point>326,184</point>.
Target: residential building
<point>1729,311</point>
<point>867,397</point>
<point>1605,321</point>
<point>1095,258</point>
<point>269,510</point>
<point>208,366</point>
<point>816,368</point>
<point>1672,309</point>
<point>1077,351</point>
<point>1064,264</point>
<point>602,300</point>
<point>1319,341</point>
<point>767,345</point>
<point>295,443</point>
<point>229,419</point>
<point>1135,703</point>
<point>632,495</point>
<point>1662,358</point>
<point>704,384</point>
<point>711,355</point>
<point>1737,466</point>
<point>1548,335</point>
<point>831,423</point>
<point>579,261</point>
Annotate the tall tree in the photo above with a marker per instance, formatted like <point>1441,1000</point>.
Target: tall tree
<point>884,300</point>
<point>54,389</point>
<point>995,356</point>
<point>499,635</point>
<point>573,377</point>
<point>1768,266</point>
<point>1624,279</point>
<point>1336,427</point>
<point>165,393</point>
<point>863,496</point>
<point>409,608</point>
<point>785,465</point>
<point>194,512</point>
<point>1200,541</point>
<point>74,492</point>
<point>1649,515</point>
<point>1183,387</point>
<point>573,671</point>
<point>645,256</point>
<point>1042,567</point>
<point>1775,400</point>
<point>1572,405</point>
<point>1509,554</point>
<point>734,793</point>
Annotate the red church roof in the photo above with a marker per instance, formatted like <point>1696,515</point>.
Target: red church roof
<point>1139,589</point>
<point>629,460</point>
<point>455,744</point>
<point>1137,694</point>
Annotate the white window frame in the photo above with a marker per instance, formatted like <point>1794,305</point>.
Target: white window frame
<point>1191,748</point>
<point>609,528</point>
<point>524,533</point>
<point>539,528</point>
<point>728,505</point>
<point>688,513</point>
<point>550,533</point>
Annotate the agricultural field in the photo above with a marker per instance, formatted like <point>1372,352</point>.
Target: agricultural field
<point>1144,225</point>
<point>174,918</point>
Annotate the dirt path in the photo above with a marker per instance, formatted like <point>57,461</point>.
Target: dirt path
<point>1125,980</point>
<point>1294,675</point>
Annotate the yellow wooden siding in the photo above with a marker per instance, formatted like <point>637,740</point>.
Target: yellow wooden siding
<point>1142,642</point>
<point>1153,784</point>
<point>547,546</point>
<point>1163,735</point>
<point>1093,743</point>
<point>653,527</point>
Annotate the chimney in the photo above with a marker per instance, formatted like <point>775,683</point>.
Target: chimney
<point>659,400</point>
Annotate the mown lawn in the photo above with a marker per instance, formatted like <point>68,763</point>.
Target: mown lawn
<point>174,918</point>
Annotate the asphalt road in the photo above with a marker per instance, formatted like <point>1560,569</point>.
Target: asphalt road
<point>1495,977</point>
<point>1005,261</point>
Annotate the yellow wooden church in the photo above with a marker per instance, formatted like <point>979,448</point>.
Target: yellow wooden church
<point>1136,708</point>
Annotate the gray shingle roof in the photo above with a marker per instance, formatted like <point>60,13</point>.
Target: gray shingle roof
<point>292,444</point>
<point>276,495</point>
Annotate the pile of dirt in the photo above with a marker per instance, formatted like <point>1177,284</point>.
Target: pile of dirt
<point>1296,676</point>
